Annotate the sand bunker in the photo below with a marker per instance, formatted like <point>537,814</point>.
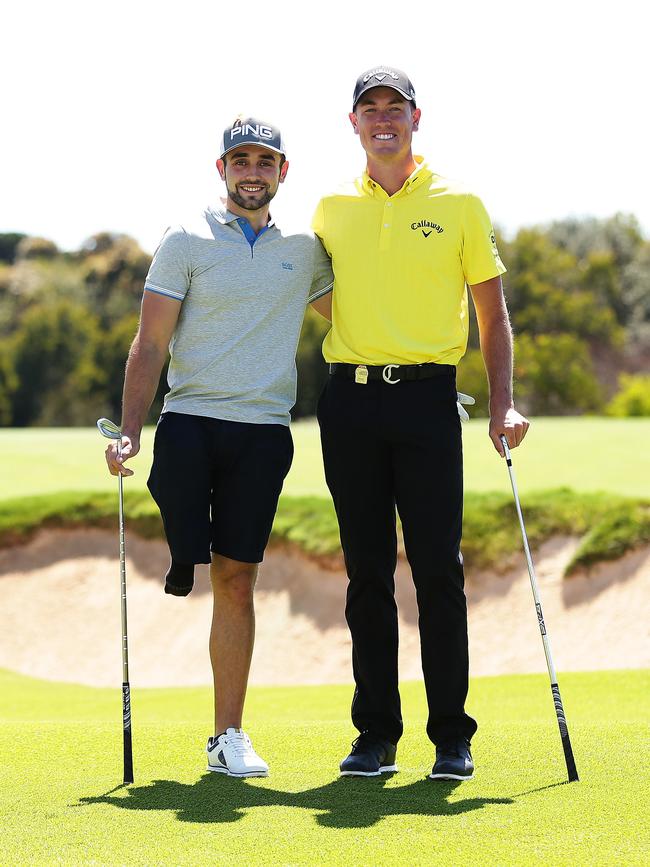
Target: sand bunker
<point>60,615</point>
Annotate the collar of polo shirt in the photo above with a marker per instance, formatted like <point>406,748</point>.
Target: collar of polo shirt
<point>224,216</point>
<point>419,175</point>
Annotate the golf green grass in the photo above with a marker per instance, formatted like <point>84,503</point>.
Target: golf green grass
<point>61,802</point>
<point>585,454</point>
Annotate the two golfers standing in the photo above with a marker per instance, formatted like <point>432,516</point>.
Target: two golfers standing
<point>227,296</point>
<point>405,243</point>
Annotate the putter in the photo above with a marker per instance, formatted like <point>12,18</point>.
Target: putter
<point>111,431</point>
<point>555,689</point>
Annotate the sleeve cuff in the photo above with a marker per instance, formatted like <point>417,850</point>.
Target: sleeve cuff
<point>320,292</point>
<point>498,272</point>
<point>160,290</point>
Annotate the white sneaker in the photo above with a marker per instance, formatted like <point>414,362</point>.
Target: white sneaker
<point>232,753</point>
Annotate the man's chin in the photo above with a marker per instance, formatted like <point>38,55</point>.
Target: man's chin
<point>251,203</point>
<point>383,147</point>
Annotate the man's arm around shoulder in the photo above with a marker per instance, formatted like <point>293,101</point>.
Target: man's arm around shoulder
<point>323,305</point>
<point>322,285</point>
<point>496,347</point>
<point>148,353</point>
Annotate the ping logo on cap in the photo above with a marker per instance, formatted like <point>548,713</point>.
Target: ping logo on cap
<point>255,129</point>
<point>252,131</point>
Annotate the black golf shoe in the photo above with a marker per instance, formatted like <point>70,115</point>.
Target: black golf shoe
<point>370,757</point>
<point>453,761</point>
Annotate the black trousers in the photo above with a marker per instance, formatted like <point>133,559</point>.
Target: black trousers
<point>384,446</point>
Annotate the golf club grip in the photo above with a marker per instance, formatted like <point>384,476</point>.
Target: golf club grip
<point>564,734</point>
<point>126,719</point>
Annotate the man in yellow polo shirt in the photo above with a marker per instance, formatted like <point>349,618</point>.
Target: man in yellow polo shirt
<point>405,243</point>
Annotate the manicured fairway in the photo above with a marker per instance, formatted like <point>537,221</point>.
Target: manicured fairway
<point>60,802</point>
<point>585,454</point>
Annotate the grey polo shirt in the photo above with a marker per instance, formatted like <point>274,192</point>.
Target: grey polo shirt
<point>243,301</point>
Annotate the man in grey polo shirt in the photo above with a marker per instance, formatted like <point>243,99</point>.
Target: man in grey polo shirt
<point>226,295</point>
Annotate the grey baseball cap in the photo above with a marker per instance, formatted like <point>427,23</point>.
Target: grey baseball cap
<point>248,130</point>
<point>383,76</point>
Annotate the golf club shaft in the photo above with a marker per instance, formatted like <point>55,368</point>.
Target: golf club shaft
<point>555,689</point>
<point>126,689</point>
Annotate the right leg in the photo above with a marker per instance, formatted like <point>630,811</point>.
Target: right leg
<point>359,476</point>
<point>180,483</point>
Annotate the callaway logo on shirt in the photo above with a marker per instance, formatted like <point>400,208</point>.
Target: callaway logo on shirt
<point>427,227</point>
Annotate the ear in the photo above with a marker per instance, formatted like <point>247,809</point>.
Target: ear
<point>221,168</point>
<point>353,121</point>
<point>416,119</point>
<point>283,171</point>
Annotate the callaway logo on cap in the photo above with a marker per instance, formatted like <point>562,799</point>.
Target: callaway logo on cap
<point>383,76</point>
<point>253,132</point>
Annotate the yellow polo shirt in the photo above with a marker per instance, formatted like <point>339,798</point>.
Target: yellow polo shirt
<point>401,268</point>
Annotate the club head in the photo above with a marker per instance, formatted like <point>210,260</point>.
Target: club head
<point>109,429</point>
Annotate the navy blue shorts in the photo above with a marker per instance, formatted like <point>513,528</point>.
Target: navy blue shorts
<point>217,485</point>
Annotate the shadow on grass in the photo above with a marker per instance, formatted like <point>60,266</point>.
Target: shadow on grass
<point>542,789</point>
<point>343,803</point>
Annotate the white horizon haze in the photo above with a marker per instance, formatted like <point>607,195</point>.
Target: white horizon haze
<point>115,113</point>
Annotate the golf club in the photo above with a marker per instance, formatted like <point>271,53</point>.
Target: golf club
<point>555,689</point>
<point>111,431</point>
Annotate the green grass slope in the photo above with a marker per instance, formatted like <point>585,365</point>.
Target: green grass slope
<point>610,525</point>
<point>585,454</point>
<point>60,802</point>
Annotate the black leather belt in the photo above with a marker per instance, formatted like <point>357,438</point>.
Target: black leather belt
<point>390,373</point>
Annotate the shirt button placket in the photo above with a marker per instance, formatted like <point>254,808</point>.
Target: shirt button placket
<point>384,242</point>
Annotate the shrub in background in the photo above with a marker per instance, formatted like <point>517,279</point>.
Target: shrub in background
<point>633,398</point>
<point>554,375</point>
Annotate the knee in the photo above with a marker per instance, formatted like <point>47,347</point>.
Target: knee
<point>441,581</point>
<point>233,581</point>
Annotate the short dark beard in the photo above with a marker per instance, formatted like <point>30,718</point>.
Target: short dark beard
<point>250,204</point>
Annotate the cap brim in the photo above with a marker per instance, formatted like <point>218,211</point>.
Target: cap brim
<point>242,144</point>
<point>401,92</point>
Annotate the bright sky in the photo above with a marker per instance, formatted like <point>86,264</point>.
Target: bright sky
<point>113,111</point>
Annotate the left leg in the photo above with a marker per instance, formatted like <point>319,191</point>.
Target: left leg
<point>252,462</point>
<point>231,637</point>
<point>230,751</point>
<point>429,493</point>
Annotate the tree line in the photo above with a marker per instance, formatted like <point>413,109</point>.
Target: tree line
<point>578,293</point>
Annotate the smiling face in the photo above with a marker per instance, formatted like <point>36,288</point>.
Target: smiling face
<point>385,123</point>
<point>252,175</point>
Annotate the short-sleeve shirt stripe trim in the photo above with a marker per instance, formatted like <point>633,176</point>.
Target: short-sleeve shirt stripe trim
<point>316,295</point>
<point>160,290</point>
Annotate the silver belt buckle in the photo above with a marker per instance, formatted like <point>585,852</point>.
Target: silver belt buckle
<point>386,374</point>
